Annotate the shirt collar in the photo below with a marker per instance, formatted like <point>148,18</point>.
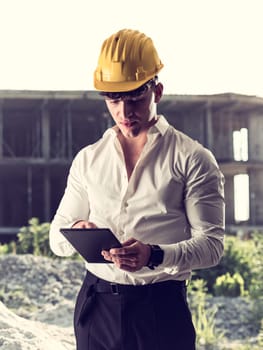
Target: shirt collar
<point>160,126</point>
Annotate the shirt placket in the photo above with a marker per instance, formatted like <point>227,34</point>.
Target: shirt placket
<point>124,190</point>
<point>128,187</point>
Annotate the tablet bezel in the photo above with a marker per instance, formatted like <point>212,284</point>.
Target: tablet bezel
<point>89,242</point>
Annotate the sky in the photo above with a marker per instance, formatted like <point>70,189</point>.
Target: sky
<point>207,46</point>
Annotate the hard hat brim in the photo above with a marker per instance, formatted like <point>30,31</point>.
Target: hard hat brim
<point>119,86</point>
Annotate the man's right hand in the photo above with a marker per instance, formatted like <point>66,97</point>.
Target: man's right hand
<point>84,224</point>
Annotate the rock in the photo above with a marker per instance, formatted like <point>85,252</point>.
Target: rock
<point>32,285</point>
<point>234,317</point>
<point>37,298</point>
<point>39,295</point>
<point>18,333</point>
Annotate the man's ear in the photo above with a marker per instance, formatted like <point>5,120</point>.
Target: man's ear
<point>158,92</point>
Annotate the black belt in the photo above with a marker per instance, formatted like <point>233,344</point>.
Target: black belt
<point>96,285</point>
<point>102,286</point>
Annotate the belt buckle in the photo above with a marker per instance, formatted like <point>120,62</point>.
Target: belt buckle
<point>114,289</point>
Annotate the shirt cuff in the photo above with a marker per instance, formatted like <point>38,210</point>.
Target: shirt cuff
<point>169,252</point>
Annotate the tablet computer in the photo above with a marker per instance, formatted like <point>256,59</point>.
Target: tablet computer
<point>89,242</point>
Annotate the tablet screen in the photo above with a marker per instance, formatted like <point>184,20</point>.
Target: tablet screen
<point>89,242</point>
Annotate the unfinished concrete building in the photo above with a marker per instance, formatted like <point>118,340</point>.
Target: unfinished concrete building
<point>41,131</point>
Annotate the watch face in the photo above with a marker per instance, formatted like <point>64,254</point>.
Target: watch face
<point>156,255</point>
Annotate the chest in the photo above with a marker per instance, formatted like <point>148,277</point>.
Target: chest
<point>131,157</point>
<point>151,182</point>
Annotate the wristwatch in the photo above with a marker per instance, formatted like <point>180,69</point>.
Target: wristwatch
<point>156,256</point>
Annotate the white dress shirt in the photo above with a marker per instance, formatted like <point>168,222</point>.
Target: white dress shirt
<point>174,198</point>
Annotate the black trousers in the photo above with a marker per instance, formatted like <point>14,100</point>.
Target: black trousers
<point>119,317</point>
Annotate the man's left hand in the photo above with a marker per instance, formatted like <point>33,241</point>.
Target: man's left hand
<point>132,256</point>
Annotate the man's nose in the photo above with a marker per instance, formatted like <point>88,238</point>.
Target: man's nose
<point>126,109</point>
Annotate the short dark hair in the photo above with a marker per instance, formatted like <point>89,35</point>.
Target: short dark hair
<point>133,93</point>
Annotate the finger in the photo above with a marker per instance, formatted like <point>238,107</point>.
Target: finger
<point>84,224</point>
<point>106,255</point>
<point>129,250</point>
<point>129,242</point>
<point>131,262</point>
<point>90,225</point>
<point>128,267</point>
<point>80,224</point>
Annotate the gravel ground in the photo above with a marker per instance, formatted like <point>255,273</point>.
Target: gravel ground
<point>42,292</point>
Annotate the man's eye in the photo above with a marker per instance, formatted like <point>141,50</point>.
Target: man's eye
<point>137,100</point>
<point>114,102</point>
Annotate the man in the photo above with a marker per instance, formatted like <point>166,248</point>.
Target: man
<point>159,191</point>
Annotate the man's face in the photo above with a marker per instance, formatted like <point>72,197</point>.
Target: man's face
<point>135,114</point>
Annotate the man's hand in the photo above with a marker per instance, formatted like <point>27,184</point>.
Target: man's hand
<point>131,257</point>
<point>84,224</point>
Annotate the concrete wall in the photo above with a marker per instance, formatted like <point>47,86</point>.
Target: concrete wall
<point>39,137</point>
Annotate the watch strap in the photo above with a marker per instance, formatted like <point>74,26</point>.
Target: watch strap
<point>156,256</point>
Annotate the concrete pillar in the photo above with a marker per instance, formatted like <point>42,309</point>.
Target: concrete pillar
<point>1,130</point>
<point>208,127</point>
<point>46,144</point>
<point>47,195</point>
<point>1,156</point>
<point>29,192</point>
<point>1,204</point>
<point>69,131</point>
<point>45,130</point>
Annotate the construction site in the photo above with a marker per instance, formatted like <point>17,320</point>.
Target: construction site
<point>41,131</point>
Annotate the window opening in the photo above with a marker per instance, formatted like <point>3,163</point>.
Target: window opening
<point>241,197</point>
<point>240,144</point>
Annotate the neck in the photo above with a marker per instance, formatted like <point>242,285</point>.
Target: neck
<point>138,140</point>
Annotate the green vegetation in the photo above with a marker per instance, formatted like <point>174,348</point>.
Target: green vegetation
<point>239,273</point>
<point>232,286</point>
<point>34,238</point>
<point>238,259</point>
<point>31,239</point>
<point>203,317</point>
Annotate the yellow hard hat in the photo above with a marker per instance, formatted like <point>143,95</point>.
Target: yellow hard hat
<point>127,60</point>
